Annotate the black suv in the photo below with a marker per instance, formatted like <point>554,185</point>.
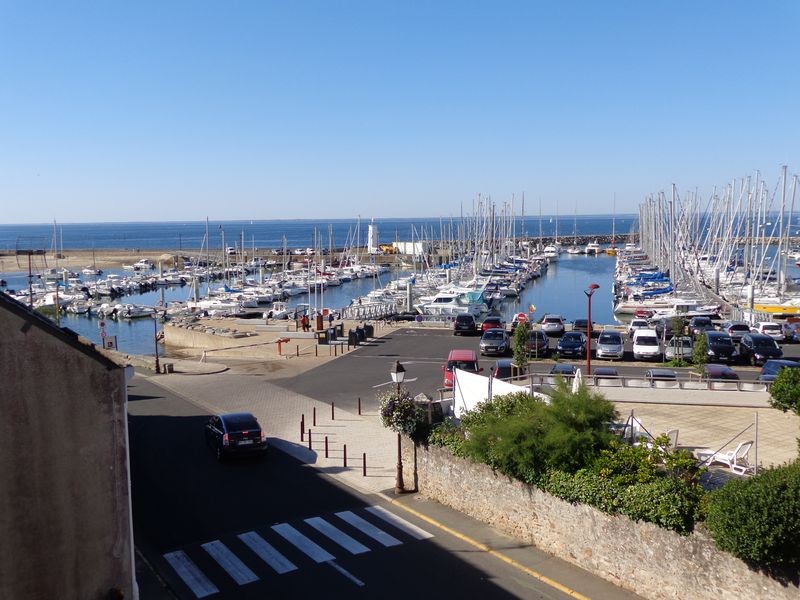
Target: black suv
<point>235,434</point>
<point>699,325</point>
<point>757,348</point>
<point>465,324</point>
<point>720,347</point>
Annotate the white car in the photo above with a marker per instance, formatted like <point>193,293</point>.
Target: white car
<point>773,330</point>
<point>637,324</point>
<point>646,345</point>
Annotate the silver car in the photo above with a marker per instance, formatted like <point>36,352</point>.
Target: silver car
<point>679,347</point>
<point>553,325</point>
<point>609,345</point>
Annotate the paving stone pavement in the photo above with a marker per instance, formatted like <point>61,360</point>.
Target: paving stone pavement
<point>279,410</point>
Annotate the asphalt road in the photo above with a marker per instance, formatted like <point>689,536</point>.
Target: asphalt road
<point>186,505</point>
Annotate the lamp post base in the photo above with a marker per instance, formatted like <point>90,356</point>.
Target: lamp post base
<point>399,486</point>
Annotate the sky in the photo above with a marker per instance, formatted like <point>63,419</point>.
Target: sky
<point>173,110</point>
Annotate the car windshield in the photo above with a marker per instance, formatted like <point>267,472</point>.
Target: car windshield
<point>571,337</point>
<point>609,338</point>
<point>241,423</point>
<point>762,343</point>
<point>771,327</point>
<point>464,365</point>
<point>647,340</point>
<point>682,342</point>
<point>552,320</point>
<point>720,341</point>
<point>493,334</point>
<point>739,327</point>
<point>536,336</point>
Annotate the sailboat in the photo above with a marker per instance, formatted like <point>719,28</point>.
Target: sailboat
<point>551,251</point>
<point>575,249</point>
<point>92,270</point>
<point>612,249</point>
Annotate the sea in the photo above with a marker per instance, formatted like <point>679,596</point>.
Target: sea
<point>559,291</point>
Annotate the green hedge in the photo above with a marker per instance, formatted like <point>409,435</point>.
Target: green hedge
<point>758,519</point>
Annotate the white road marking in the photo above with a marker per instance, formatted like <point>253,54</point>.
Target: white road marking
<point>267,552</point>
<point>226,559</point>
<point>346,573</point>
<point>191,575</point>
<point>401,524</point>
<point>337,535</point>
<point>305,545</point>
<point>368,528</point>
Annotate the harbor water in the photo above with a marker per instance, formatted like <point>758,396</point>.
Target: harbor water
<point>559,290</point>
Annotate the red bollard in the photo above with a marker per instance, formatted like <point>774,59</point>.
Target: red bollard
<point>314,416</point>
<point>359,405</point>
<point>344,451</point>
<point>302,427</point>
<point>333,418</point>
<point>364,464</point>
<point>309,439</point>
<point>326,446</point>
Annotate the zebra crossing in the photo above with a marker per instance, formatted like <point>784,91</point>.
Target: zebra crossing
<point>375,525</point>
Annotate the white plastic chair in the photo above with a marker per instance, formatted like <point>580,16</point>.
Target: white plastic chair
<point>736,460</point>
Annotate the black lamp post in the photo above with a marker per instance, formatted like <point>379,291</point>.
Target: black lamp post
<point>155,340</point>
<point>398,375</point>
<point>589,293</point>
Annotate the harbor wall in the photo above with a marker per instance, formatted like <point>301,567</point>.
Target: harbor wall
<point>653,562</point>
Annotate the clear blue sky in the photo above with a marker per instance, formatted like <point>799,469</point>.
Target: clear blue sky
<point>116,111</point>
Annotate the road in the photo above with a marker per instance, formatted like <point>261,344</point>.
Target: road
<point>190,510</point>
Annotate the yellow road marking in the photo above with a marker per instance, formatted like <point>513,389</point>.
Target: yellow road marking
<point>506,559</point>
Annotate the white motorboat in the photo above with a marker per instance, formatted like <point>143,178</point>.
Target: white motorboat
<point>593,248</point>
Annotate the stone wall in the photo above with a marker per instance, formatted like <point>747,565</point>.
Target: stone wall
<point>653,562</point>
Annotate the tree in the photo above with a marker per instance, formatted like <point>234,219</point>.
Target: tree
<point>518,344</point>
<point>700,353</point>
<point>785,390</point>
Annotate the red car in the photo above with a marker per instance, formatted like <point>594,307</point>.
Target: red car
<point>492,323</point>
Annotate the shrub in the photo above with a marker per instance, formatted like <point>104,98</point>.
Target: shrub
<point>625,465</point>
<point>447,435</point>
<point>666,501</point>
<point>700,353</point>
<point>758,519</point>
<point>785,390</point>
<point>522,437</point>
<point>518,344</point>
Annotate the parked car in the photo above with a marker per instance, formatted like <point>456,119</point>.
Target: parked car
<point>757,348</point>
<point>563,369</point>
<point>771,369</point>
<point>663,327</point>
<point>504,368</point>
<point>537,344</point>
<point>773,330</point>
<point>582,325</point>
<point>736,329</point>
<point>699,325</point>
<point>791,333</point>
<point>646,345</point>
<point>572,343</point>
<point>679,348</point>
<point>660,375</point>
<point>495,342</point>
<point>720,347</point>
<point>604,373</point>
<point>493,323</point>
<point>553,325</point>
<point>609,345</point>
<point>235,434</point>
<point>637,324</point>
<point>716,372</point>
<point>464,324</point>
<point>466,360</point>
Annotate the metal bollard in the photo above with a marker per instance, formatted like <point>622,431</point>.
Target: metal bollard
<point>316,350</point>
<point>359,405</point>
<point>309,438</point>
<point>326,446</point>
<point>314,416</point>
<point>302,427</point>
<point>333,417</point>
<point>364,464</point>
<point>344,454</point>
<point>297,351</point>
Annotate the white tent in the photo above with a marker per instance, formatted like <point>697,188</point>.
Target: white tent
<point>469,389</point>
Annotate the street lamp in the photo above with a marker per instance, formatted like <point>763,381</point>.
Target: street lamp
<point>398,375</point>
<point>155,339</point>
<point>593,287</point>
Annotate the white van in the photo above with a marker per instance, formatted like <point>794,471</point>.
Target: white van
<point>646,345</point>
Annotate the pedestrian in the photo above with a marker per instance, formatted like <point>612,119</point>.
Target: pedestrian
<point>330,320</point>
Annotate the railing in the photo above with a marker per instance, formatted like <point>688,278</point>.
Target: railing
<point>365,312</point>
